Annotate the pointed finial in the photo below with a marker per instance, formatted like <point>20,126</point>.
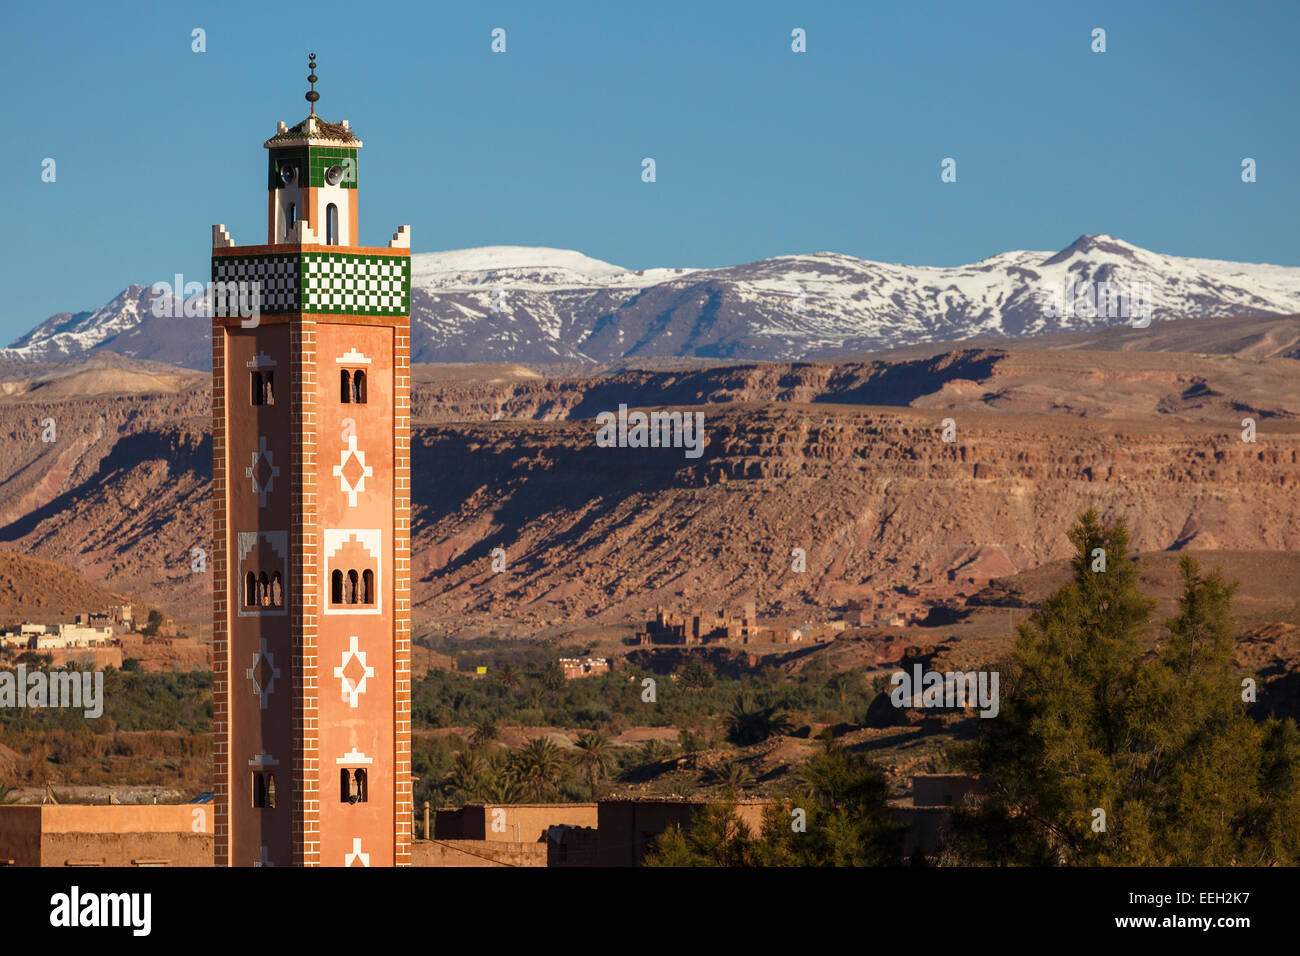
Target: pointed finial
<point>312,95</point>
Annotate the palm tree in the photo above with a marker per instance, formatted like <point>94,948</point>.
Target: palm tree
<point>842,684</point>
<point>469,773</point>
<point>503,787</point>
<point>552,676</point>
<point>485,731</point>
<point>696,676</point>
<point>538,767</point>
<point>655,750</point>
<point>734,776</point>
<point>595,757</point>
<point>508,676</point>
<point>748,723</point>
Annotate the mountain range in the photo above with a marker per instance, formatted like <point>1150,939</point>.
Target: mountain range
<point>555,306</point>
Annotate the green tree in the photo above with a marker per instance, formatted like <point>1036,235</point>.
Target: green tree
<point>538,767</point>
<point>596,757</point>
<point>552,676</point>
<point>1102,756</point>
<point>750,723</point>
<point>696,676</point>
<point>734,776</point>
<point>1275,819</point>
<point>714,837</point>
<point>653,751</point>
<point>502,786</point>
<point>846,818</point>
<point>470,774</point>
<point>839,817</point>
<point>485,731</point>
<point>154,622</point>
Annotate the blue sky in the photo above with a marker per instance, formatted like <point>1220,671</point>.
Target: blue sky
<point>759,151</point>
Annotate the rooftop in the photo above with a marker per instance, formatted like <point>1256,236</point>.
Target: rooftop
<point>313,131</point>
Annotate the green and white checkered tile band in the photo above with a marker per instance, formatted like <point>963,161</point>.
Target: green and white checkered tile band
<point>361,285</point>
<point>330,283</point>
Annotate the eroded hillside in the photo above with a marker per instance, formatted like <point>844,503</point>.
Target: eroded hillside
<point>845,461</point>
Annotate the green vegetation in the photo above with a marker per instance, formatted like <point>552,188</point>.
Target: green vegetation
<point>1159,744</point>
<point>531,691</point>
<point>596,758</point>
<point>748,723</point>
<point>132,700</point>
<point>837,816</point>
<point>155,727</point>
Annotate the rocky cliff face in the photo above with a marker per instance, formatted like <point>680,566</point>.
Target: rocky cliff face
<point>844,461</point>
<point>873,497</point>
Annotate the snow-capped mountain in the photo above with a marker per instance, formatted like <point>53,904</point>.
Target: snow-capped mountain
<point>524,304</point>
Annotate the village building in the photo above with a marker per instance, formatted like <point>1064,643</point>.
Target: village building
<point>575,667</point>
<point>700,626</point>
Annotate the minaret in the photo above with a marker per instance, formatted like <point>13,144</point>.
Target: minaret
<point>311,521</point>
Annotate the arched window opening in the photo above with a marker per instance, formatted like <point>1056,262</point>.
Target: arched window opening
<point>359,387</point>
<point>345,387</point>
<point>270,791</point>
<point>256,391</point>
<point>268,389</point>
<point>352,786</point>
<point>263,590</point>
<point>336,587</point>
<point>277,590</point>
<point>367,587</point>
<point>352,587</point>
<point>250,590</point>
<point>331,225</point>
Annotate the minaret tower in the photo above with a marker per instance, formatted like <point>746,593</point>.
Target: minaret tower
<point>311,521</point>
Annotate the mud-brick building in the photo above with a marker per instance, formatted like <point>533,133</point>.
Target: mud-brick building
<point>85,836</point>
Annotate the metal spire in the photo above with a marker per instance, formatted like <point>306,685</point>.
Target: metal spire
<point>312,95</point>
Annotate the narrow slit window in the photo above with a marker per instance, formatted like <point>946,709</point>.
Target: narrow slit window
<point>331,225</point>
<point>268,388</point>
<point>367,587</point>
<point>336,587</point>
<point>359,387</point>
<point>345,387</point>
<point>290,218</point>
<point>250,590</point>
<point>256,391</point>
